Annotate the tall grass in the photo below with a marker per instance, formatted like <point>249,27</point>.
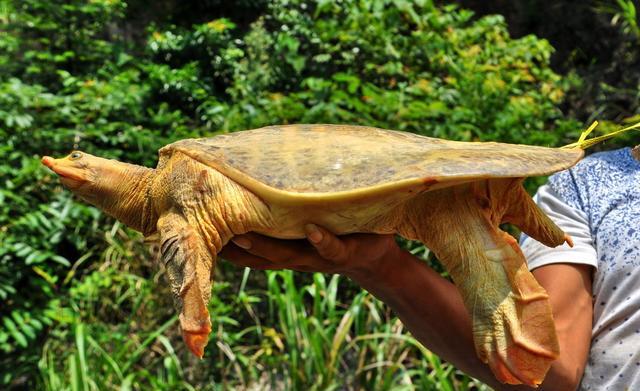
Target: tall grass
<point>296,331</point>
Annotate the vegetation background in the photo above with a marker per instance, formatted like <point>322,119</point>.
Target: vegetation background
<point>84,305</point>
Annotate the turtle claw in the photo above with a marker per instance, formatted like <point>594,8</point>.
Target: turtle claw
<point>506,373</point>
<point>568,240</point>
<point>196,341</point>
<point>195,320</point>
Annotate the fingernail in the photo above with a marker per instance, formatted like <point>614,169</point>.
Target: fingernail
<point>313,233</point>
<point>242,242</point>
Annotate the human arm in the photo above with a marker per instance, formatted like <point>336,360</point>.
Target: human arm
<point>569,288</point>
<point>429,305</point>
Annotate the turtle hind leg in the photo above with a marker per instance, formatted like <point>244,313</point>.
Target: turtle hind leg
<point>189,264</point>
<point>512,322</point>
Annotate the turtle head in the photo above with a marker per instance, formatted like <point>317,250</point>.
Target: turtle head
<point>77,171</point>
<point>118,188</point>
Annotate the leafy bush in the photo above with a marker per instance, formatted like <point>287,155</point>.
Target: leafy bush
<point>594,39</point>
<point>423,69</point>
<point>83,301</point>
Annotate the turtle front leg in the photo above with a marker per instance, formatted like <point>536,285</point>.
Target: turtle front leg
<point>513,327</point>
<point>189,264</point>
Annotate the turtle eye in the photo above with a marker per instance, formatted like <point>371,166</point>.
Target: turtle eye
<point>75,155</point>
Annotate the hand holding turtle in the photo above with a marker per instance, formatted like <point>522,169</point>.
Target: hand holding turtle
<point>355,255</point>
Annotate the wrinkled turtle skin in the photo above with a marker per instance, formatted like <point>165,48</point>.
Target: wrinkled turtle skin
<point>452,196</point>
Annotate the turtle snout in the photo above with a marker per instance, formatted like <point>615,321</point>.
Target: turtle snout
<point>65,169</point>
<point>48,161</point>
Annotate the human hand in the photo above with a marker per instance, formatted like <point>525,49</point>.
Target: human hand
<point>355,255</point>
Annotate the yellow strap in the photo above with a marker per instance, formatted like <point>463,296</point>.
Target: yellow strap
<point>583,143</point>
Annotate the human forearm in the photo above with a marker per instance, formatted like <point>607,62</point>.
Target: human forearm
<point>430,307</point>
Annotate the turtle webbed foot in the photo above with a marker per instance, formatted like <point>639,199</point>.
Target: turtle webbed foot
<point>196,340</point>
<point>195,320</point>
<point>520,344</point>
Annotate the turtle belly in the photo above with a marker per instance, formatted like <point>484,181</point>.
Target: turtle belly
<point>378,213</point>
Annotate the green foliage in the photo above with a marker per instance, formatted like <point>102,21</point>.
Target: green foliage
<point>624,14</point>
<point>85,306</point>
<point>47,36</point>
<point>304,337</point>
<point>111,325</point>
<point>419,68</point>
<point>615,82</point>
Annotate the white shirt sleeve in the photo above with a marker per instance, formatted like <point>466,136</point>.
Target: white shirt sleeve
<point>572,221</point>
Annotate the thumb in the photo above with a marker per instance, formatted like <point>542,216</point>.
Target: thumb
<point>327,244</point>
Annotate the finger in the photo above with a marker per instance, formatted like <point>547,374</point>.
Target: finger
<point>327,244</point>
<point>276,250</point>
<point>240,257</point>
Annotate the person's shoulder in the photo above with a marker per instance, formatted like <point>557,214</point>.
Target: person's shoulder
<point>603,160</point>
<point>596,165</point>
<point>589,174</point>
<point>613,158</point>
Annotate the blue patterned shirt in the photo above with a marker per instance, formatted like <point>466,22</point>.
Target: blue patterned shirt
<point>597,202</point>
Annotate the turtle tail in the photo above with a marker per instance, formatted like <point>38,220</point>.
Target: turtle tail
<point>523,212</point>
